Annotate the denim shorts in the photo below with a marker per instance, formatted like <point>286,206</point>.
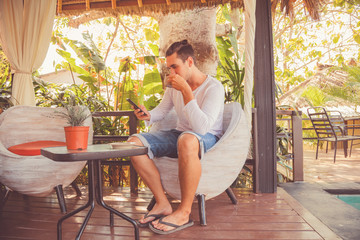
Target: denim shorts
<point>164,143</point>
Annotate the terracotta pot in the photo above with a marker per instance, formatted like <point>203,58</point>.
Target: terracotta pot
<point>76,137</point>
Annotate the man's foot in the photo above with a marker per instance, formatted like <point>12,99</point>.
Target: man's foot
<point>157,212</point>
<point>171,223</point>
<point>175,227</point>
<point>148,216</point>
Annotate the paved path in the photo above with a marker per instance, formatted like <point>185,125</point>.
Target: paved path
<point>326,171</point>
<point>321,175</point>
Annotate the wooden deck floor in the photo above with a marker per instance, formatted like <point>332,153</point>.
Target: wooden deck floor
<point>256,216</point>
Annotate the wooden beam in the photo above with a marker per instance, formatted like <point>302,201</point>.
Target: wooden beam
<point>59,6</point>
<point>264,86</point>
<point>140,3</point>
<point>87,5</point>
<point>113,4</point>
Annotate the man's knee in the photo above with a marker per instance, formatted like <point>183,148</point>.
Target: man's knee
<point>136,140</point>
<point>188,143</point>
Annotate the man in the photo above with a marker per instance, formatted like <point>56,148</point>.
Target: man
<point>198,100</point>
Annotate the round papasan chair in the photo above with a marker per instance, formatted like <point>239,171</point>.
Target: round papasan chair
<point>220,165</point>
<point>34,175</point>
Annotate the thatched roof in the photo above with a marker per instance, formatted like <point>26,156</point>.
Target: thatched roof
<point>135,7</point>
<point>324,79</point>
<point>144,7</point>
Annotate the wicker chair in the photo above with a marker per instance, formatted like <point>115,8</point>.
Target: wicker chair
<point>35,175</point>
<point>220,165</point>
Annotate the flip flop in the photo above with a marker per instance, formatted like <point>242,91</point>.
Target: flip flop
<point>147,215</point>
<point>176,227</point>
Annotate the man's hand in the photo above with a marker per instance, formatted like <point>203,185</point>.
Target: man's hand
<point>140,115</point>
<point>177,82</point>
<point>181,85</point>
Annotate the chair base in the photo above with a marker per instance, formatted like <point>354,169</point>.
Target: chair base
<point>76,188</point>
<point>61,198</point>
<point>60,195</point>
<point>201,204</point>
<point>4,197</point>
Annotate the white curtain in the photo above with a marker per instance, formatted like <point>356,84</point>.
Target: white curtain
<point>250,23</point>
<point>25,31</point>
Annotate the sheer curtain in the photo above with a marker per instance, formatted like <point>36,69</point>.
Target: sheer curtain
<point>250,23</point>
<point>25,31</point>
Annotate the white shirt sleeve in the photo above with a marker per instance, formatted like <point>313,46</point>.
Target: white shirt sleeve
<point>160,111</point>
<point>202,119</point>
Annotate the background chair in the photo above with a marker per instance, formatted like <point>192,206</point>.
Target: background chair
<point>329,127</point>
<point>35,175</point>
<point>337,119</point>
<point>220,165</point>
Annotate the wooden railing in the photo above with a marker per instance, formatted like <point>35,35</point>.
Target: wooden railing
<point>294,131</point>
<point>294,123</point>
<point>112,138</point>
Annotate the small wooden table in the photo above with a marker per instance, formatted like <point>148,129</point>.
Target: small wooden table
<point>93,155</point>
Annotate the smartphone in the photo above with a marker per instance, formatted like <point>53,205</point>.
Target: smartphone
<point>135,106</point>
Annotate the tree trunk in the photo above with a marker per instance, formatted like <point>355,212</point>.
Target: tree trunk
<point>199,28</point>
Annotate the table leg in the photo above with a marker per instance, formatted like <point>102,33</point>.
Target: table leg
<point>90,202</point>
<point>92,195</point>
<point>100,201</point>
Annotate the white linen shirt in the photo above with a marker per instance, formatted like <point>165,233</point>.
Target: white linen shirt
<point>203,114</point>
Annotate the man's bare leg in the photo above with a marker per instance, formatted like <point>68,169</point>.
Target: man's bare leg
<point>149,173</point>
<point>189,175</point>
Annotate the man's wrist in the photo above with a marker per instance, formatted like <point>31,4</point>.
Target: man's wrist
<point>187,95</point>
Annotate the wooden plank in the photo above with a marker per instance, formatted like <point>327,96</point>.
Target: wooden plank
<point>319,227</point>
<point>264,88</point>
<point>256,216</point>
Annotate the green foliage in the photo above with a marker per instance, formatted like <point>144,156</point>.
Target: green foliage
<point>350,90</point>
<point>314,96</point>
<point>354,73</point>
<point>234,81</point>
<point>75,114</point>
<point>229,72</point>
<point>5,80</point>
<point>300,44</point>
<point>106,88</point>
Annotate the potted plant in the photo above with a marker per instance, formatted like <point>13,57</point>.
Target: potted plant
<point>76,134</point>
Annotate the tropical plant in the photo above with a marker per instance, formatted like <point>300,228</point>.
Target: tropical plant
<point>302,45</point>
<point>229,71</point>
<point>234,81</point>
<point>100,79</point>
<point>5,80</point>
<point>349,91</point>
<point>75,114</point>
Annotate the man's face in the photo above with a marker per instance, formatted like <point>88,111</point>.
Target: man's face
<point>176,65</point>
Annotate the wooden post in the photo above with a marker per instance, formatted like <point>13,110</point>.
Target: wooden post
<point>264,85</point>
<point>298,161</point>
<point>133,174</point>
<point>255,133</point>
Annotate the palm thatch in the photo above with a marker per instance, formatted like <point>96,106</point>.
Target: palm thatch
<point>325,79</point>
<point>150,7</point>
<point>135,7</point>
<point>287,6</point>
